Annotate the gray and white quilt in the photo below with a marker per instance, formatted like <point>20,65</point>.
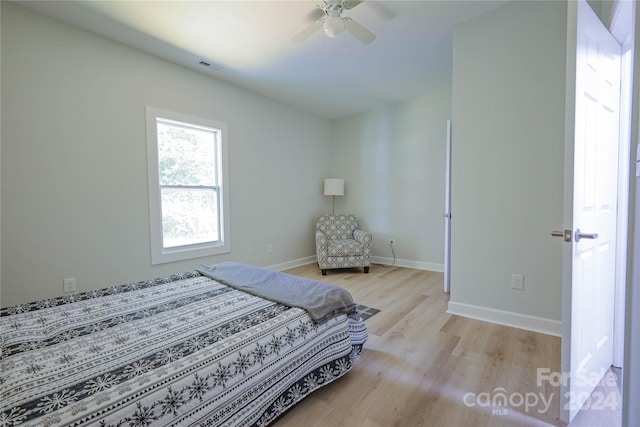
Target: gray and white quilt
<point>177,350</point>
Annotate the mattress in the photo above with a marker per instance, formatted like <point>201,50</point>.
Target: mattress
<point>177,350</point>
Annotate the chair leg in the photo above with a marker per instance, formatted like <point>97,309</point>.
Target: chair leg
<point>324,272</point>
<point>366,270</point>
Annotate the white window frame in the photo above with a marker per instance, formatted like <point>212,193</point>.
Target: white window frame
<point>159,254</point>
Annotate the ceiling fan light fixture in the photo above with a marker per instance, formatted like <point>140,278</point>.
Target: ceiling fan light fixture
<point>333,26</point>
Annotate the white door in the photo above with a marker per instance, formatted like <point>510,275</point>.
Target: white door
<point>590,277</point>
<point>447,213</point>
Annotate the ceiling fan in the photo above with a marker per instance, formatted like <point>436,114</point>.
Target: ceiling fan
<point>328,16</point>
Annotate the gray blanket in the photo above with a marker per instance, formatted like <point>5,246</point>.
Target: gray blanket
<point>321,300</point>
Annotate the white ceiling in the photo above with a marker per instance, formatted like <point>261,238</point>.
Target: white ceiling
<point>249,44</point>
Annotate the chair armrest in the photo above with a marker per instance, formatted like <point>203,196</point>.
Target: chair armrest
<point>363,237</point>
<point>322,250</point>
<point>321,240</point>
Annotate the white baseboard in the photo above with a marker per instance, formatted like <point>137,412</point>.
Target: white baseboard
<point>293,263</point>
<point>420,265</point>
<point>507,318</point>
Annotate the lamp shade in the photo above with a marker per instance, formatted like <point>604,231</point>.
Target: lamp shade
<point>334,187</point>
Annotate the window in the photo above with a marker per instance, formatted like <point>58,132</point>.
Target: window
<point>188,181</point>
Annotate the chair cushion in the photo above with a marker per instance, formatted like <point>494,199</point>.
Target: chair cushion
<point>344,247</point>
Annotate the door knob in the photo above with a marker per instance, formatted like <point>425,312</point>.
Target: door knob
<point>579,235</point>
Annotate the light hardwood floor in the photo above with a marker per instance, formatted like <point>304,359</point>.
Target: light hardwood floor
<point>424,367</point>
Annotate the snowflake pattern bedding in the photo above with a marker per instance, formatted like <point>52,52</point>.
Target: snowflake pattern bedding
<point>178,350</point>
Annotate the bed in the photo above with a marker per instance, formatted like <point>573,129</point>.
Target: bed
<point>196,348</point>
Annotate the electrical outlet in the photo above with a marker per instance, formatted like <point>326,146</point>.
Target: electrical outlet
<point>269,248</point>
<point>392,242</point>
<point>69,285</point>
<point>517,281</point>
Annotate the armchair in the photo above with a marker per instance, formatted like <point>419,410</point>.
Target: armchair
<point>340,244</point>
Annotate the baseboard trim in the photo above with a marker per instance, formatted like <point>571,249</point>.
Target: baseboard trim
<point>293,263</point>
<point>507,318</point>
<point>419,265</point>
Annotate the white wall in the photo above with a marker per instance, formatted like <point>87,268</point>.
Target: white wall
<point>507,175</point>
<point>393,163</point>
<point>74,180</point>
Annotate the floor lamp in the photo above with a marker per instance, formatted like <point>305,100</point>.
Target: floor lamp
<point>334,187</point>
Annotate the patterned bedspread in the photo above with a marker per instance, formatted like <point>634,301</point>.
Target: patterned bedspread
<point>179,350</point>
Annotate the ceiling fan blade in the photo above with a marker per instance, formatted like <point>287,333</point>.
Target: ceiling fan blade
<point>383,12</point>
<point>307,32</point>
<point>315,14</point>
<point>358,31</point>
<point>350,4</point>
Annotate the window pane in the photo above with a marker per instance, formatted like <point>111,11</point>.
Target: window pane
<point>188,199</point>
<point>186,155</point>
<point>189,216</point>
